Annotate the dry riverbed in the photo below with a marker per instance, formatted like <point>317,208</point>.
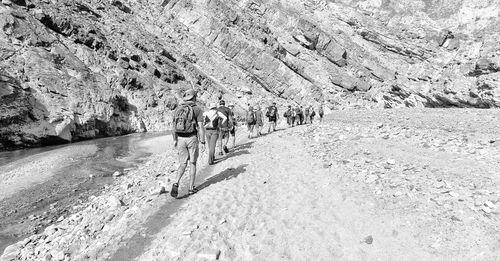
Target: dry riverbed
<point>363,185</point>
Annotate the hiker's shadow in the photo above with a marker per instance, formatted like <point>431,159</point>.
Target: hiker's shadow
<point>243,146</point>
<point>241,149</point>
<point>229,173</point>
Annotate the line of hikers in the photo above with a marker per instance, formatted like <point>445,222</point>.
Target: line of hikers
<point>294,116</point>
<point>216,126</point>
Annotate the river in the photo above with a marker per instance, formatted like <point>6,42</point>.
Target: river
<point>40,185</point>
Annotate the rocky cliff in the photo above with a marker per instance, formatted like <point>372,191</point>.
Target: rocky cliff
<point>73,70</point>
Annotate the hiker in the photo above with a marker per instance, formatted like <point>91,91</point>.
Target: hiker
<point>306,115</point>
<point>224,127</point>
<point>232,131</point>
<point>320,113</point>
<point>259,120</point>
<point>250,119</point>
<point>296,116</point>
<point>300,116</point>
<point>313,113</point>
<point>272,115</point>
<point>187,131</point>
<point>288,116</point>
<point>212,120</point>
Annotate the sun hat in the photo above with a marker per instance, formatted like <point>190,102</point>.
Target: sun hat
<point>222,102</point>
<point>230,105</point>
<point>189,95</point>
<point>212,105</point>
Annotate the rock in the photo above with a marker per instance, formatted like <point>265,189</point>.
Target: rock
<point>131,71</point>
<point>113,202</point>
<point>368,240</point>
<point>211,254</point>
<point>10,253</point>
<point>371,179</point>
<point>391,161</point>
<point>117,174</point>
<point>486,209</point>
<point>489,204</point>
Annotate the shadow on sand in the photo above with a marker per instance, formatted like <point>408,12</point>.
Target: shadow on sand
<point>229,173</point>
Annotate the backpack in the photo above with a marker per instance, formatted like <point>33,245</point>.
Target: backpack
<point>184,121</point>
<point>320,111</point>
<point>313,113</point>
<point>271,112</point>
<point>286,114</point>
<point>211,120</point>
<point>228,124</point>
<point>307,111</point>
<point>251,119</point>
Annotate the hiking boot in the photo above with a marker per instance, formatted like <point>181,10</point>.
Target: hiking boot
<point>174,192</point>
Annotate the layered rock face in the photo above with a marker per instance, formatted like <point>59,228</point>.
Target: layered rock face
<point>72,70</point>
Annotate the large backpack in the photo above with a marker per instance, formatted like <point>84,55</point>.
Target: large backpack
<point>271,113</point>
<point>184,121</point>
<point>251,119</point>
<point>211,120</point>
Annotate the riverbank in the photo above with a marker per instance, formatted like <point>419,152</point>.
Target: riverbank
<point>42,185</point>
<point>364,185</point>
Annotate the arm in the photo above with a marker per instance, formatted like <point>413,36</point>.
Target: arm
<point>224,118</point>
<point>174,135</point>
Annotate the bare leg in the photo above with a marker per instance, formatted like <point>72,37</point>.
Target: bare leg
<point>192,172</point>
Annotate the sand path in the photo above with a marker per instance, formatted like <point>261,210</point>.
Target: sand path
<point>272,201</point>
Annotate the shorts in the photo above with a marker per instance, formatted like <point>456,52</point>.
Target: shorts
<point>232,132</point>
<point>187,149</point>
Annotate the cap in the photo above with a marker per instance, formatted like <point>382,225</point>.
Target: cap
<point>212,105</point>
<point>222,102</point>
<point>189,95</point>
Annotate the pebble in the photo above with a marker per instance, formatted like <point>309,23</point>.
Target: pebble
<point>212,254</point>
<point>489,204</point>
<point>391,161</point>
<point>486,209</point>
<point>368,240</point>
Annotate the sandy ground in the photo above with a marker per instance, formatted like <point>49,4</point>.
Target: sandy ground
<point>276,203</point>
<point>364,185</point>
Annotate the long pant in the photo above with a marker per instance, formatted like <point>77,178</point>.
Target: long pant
<point>212,137</point>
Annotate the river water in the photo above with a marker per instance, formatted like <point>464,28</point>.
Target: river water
<point>39,185</point>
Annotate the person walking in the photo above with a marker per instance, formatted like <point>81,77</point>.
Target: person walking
<point>232,132</point>
<point>224,127</point>
<point>301,115</point>
<point>296,117</point>
<point>320,113</point>
<point>272,115</point>
<point>259,120</point>
<point>313,113</point>
<point>288,115</point>
<point>251,121</point>
<point>187,131</point>
<point>306,115</point>
<point>212,120</point>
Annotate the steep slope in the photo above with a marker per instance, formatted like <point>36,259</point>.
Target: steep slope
<point>76,69</point>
